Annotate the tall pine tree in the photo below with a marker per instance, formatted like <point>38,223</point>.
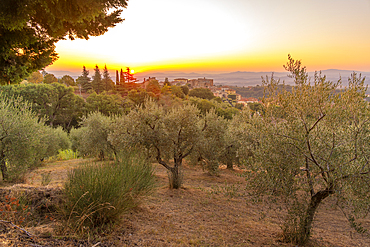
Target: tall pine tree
<point>84,80</point>
<point>130,77</point>
<point>97,82</point>
<point>107,82</point>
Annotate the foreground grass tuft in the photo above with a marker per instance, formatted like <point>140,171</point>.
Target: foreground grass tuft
<point>97,194</point>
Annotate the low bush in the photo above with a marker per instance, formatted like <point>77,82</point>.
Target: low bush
<point>67,154</point>
<point>64,154</point>
<point>92,138</point>
<point>97,194</point>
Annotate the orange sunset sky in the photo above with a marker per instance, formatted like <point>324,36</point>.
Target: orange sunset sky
<point>228,35</point>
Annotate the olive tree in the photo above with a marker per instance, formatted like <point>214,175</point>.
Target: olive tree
<point>236,140</point>
<point>53,140</point>
<point>24,139</point>
<point>222,140</point>
<point>92,138</point>
<point>211,144</point>
<point>169,136</point>
<point>312,143</point>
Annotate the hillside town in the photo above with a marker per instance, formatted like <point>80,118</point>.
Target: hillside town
<point>224,92</point>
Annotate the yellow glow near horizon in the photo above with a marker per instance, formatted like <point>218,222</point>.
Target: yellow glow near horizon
<point>228,35</point>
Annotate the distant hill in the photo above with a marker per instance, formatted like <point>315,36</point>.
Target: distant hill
<point>238,78</point>
<point>244,78</point>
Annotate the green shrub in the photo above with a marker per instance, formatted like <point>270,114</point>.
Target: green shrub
<point>97,194</point>
<point>64,154</point>
<point>24,139</point>
<point>67,154</point>
<point>92,138</point>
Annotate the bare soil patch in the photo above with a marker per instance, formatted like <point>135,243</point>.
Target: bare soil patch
<point>207,211</point>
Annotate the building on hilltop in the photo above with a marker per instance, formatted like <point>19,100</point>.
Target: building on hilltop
<point>182,81</point>
<point>201,82</point>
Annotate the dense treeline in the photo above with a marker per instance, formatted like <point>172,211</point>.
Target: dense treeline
<point>60,103</point>
<point>257,91</point>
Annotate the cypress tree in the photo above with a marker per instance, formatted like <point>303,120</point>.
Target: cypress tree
<point>117,77</point>
<point>122,79</point>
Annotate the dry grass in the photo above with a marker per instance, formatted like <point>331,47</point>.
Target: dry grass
<point>207,211</point>
<point>58,171</point>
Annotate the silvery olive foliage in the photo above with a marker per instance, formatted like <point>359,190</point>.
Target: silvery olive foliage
<point>168,135</point>
<point>91,139</point>
<point>25,139</point>
<point>312,143</point>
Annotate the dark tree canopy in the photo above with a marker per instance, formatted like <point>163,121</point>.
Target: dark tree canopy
<point>30,28</point>
<point>97,82</point>
<point>129,76</point>
<point>108,84</point>
<point>68,80</point>
<point>35,77</point>
<point>55,104</point>
<point>203,93</point>
<point>84,80</point>
<point>50,78</point>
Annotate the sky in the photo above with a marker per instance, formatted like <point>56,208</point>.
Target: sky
<point>216,36</point>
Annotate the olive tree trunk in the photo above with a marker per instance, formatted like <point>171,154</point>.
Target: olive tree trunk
<point>175,177</point>
<point>4,170</point>
<point>305,227</point>
<point>174,173</point>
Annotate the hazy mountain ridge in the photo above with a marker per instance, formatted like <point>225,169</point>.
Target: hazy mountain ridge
<point>246,78</point>
<point>237,78</point>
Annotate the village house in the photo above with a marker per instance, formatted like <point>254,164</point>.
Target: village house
<point>230,91</point>
<point>245,101</point>
<point>218,92</point>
